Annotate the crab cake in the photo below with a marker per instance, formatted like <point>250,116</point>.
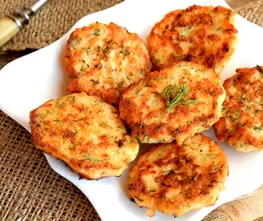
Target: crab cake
<point>173,104</point>
<point>84,132</point>
<point>175,179</point>
<point>102,60</point>
<point>205,35</point>
<point>241,124</point>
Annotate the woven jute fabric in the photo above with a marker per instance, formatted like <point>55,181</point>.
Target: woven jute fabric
<point>252,12</point>
<point>51,22</point>
<point>29,188</point>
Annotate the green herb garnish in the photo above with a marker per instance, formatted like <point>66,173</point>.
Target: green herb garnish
<point>258,128</point>
<point>105,50</point>
<point>175,95</point>
<point>94,160</point>
<point>125,52</point>
<point>89,158</point>
<point>212,155</point>
<point>94,81</point>
<point>96,33</point>
<point>138,199</point>
<point>87,50</point>
<point>152,191</point>
<point>75,43</point>
<point>83,68</point>
<point>120,84</point>
<point>60,103</point>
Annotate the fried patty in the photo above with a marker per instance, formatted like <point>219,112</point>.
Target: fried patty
<point>201,34</point>
<point>241,124</point>
<point>84,132</point>
<point>173,104</point>
<point>175,179</point>
<point>103,60</point>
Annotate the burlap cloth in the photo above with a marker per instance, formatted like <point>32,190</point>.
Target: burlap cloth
<point>51,22</point>
<point>29,188</point>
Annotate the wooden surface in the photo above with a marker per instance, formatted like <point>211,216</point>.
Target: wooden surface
<point>249,208</point>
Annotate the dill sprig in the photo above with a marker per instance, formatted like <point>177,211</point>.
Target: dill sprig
<point>175,95</point>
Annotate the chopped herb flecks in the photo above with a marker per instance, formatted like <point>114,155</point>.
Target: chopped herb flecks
<point>94,81</point>
<point>74,43</point>
<point>89,158</point>
<point>121,84</point>
<point>106,49</point>
<point>212,155</point>
<point>83,68</point>
<point>125,52</point>
<point>59,104</point>
<point>94,160</point>
<point>87,50</point>
<point>96,33</point>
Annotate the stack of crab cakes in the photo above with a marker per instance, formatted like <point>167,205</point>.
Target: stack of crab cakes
<point>187,170</point>
<point>173,105</point>
<point>167,97</point>
<point>84,129</point>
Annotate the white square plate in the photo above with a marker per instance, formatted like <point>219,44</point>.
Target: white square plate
<point>31,80</point>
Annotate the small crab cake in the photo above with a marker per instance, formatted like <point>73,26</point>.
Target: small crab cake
<point>173,104</point>
<point>175,179</point>
<point>202,34</point>
<point>241,124</point>
<point>102,60</point>
<point>84,132</point>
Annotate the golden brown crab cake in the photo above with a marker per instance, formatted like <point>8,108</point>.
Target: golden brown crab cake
<point>103,60</point>
<point>173,104</point>
<point>241,124</point>
<point>84,132</point>
<point>202,34</point>
<point>175,179</point>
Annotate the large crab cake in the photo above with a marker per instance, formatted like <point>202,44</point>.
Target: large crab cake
<point>173,104</point>
<point>241,124</point>
<point>102,60</point>
<point>175,179</point>
<point>84,132</point>
<point>202,34</point>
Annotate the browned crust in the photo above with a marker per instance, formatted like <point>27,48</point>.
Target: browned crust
<point>202,34</point>
<point>182,177</point>
<point>151,123</point>
<point>102,60</point>
<point>91,140</point>
<point>242,118</point>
